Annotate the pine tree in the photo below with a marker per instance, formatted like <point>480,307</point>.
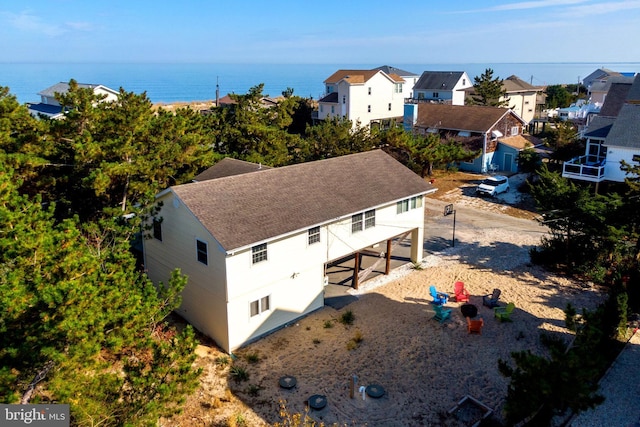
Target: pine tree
<point>488,90</point>
<point>74,308</point>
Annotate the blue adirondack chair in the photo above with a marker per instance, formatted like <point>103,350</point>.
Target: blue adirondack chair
<point>439,298</point>
<point>491,301</point>
<point>442,313</point>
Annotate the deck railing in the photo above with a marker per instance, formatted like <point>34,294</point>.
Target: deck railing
<point>586,168</point>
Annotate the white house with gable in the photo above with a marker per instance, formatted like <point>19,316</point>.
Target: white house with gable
<point>255,246</point>
<point>51,108</point>
<point>370,97</point>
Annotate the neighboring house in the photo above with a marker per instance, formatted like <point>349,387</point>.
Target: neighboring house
<point>611,137</point>
<point>599,75</point>
<point>505,158</point>
<point>409,78</point>
<point>368,97</point>
<point>51,108</point>
<point>479,128</point>
<point>265,101</point>
<point>255,246</point>
<point>443,87</point>
<point>522,97</point>
<point>599,89</point>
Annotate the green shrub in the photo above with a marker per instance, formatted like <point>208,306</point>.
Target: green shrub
<point>252,357</point>
<point>222,361</point>
<point>328,324</point>
<point>238,373</point>
<point>347,318</point>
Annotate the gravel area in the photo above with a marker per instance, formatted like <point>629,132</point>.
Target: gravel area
<point>621,388</point>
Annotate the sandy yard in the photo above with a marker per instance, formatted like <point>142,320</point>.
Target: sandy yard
<point>424,366</point>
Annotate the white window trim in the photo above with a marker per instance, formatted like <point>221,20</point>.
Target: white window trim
<point>261,306</point>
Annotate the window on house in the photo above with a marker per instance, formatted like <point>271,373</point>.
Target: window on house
<point>397,87</point>
<point>389,106</point>
<point>368,108</point>
<point>344,99</point>
<point>369,90</point>
<point>201,250</point>
<point>157,229</point>
<point>314,235</point>
<point>526,102</point>
<point>333,110</point>
<point>260,305</point>
<point>416,202</point>
<point>436,95</point>
<point>420,95</point>
<point>259,253</point>
<point>356,223</point>
<point>464,82</point>
<point>370,218</point>
<point>321,109</point>
<point>514,130</point>
<point>402,206</point>
<point>329,89</point>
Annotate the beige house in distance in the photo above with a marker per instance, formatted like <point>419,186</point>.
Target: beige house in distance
<point>522,97</point>
<point>255,245</point>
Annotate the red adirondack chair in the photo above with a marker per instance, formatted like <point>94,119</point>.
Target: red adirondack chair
<point>462,295</point>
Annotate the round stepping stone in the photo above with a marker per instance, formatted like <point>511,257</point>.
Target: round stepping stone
<point>375,390</point>
<point>287,381</point>
<point>317,401</point>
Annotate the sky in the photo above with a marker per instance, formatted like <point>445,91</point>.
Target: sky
<point>321,32</point>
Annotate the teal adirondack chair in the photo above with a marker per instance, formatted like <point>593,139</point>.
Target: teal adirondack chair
<point>503,314</point>
<point>442,313</point>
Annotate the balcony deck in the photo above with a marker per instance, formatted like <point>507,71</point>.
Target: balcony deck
<point>585,168</point>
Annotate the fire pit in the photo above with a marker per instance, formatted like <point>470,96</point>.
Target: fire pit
<point>469,310</point>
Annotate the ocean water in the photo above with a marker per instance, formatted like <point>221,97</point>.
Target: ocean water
<point>174,82</point>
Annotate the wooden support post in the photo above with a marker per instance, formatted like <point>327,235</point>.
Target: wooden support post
<point>387,268</point>
<point>356,270</point>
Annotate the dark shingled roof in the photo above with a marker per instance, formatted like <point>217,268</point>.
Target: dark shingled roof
<point>438,80</point>
<point>615,99</point>
<point>244,209</point>
<point>474,118</point>
<point>332,97</point>
<point>599,127</point>
<point>393,70</point>
<point>626,128</point>
<point>228,167</point>
<point>634,92</point>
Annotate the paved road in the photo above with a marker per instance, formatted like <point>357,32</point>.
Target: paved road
<point>439,231</point>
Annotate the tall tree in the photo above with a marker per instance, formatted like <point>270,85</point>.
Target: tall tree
<point>74,309</point>
<point>557,96</point>
<point>488,90</point>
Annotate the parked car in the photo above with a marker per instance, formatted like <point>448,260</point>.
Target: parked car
<point>493,185</point>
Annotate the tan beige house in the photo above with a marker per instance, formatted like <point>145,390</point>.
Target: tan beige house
<point>255,245</point>
<point>522,97</point>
